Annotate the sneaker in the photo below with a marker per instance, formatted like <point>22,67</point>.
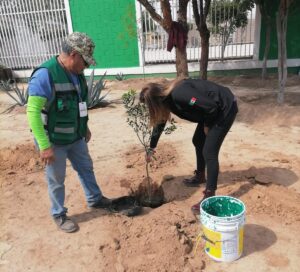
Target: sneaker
<point>196,180</point>
<point>65,223</point>
<point>196,208</point>
<point>103,203</point>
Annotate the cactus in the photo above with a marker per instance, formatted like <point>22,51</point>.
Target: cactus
<point>94,91</point>
<point>120,76</point>
<point>11,89</point>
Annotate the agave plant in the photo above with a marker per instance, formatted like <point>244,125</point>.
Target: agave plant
<point>11,89</point>
<point>94,91</point>
<point>120,76</point>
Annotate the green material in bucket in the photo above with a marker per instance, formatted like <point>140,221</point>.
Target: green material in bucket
<point>222,206</point>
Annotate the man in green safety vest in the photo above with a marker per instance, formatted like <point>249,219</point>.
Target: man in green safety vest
<point>57,115</point>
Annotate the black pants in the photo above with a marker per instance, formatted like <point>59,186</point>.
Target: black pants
<point>208,147</point>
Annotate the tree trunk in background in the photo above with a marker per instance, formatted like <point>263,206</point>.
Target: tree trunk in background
<point>181,63</point>
<point>281,22</point>
<point>165,22</point>
<point>181,55</point>
<point>200,15</point>
<point>204,34</point>
<point>267,48</point>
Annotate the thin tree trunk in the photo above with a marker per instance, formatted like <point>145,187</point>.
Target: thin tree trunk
<point>223,46</point>
<point>200,14</point>
<point>222,49</point>
<point>181,55</point>
<point>204,34</point>
<point>281,20</point>
<point>181,63</point>
<point>225,38</point>
<point>267,48</point>
<point>149,187</point>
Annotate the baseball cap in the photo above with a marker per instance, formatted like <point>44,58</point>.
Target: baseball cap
<point>83,44</point>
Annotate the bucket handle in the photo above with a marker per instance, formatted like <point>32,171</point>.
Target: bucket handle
<point>205,238</point>
<point>202,236</point>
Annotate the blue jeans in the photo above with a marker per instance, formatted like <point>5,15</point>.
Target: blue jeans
<point>81,161</point>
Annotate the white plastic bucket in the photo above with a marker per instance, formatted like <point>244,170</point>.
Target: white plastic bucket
<point>223,219</point>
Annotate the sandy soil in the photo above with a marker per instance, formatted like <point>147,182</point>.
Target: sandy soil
<point>260,164</point>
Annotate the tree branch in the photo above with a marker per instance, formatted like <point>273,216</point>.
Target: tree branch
<point>154,15</point>
<point>206,8</point>
<point>166,10</point>
<point>196,12</point>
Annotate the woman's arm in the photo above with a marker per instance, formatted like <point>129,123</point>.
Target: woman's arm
<point>156,132</point>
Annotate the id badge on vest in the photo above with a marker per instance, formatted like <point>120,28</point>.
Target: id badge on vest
<point>83,109</point>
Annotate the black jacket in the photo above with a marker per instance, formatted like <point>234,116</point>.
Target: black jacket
<point>198,101</point>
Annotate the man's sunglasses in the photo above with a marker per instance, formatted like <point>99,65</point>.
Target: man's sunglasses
<point>85,63</point>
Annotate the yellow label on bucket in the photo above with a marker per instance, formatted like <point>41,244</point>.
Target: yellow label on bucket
<point>241,240</point>
<point>213,245</point>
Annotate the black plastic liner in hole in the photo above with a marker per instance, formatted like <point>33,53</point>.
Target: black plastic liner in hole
<point>126,205</point>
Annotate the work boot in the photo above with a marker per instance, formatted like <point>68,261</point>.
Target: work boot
<point>65,223</point>
<point>196,180</point>
<point>103,203</point>
<point>206,193</point>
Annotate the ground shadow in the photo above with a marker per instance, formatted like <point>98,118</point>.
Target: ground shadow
<point>123,205</point>
<point>257,238</point>
<point>175,189</point>
<point>104,104</point>
<point>89,215</point>
<point>242,190</point>
<point>275,175</point>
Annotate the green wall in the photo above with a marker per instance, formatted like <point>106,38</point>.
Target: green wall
<point>293,32</point>
<point>112,26</point>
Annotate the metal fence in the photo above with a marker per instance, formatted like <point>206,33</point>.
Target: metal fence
<point>31,31</point>
<point>227,39</point>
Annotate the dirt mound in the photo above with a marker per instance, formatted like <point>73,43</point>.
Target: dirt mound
<point>263,110</point>
<point>272,200</point>
<point>177,235</point>
<point>166,155</point>
<point>148,194</point>
<point>23,158</point>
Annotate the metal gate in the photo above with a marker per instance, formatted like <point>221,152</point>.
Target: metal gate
<point>227,41</point>
<point>31,31</point>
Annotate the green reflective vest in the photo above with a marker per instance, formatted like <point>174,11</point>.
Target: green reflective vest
<point>64,125</point>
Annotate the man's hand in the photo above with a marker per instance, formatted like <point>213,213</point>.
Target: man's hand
<point>149,154</point>
<point>88,135</point>
<point>47,155</point>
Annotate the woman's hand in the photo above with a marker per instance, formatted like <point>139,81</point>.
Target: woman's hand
<point>149,154</point>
